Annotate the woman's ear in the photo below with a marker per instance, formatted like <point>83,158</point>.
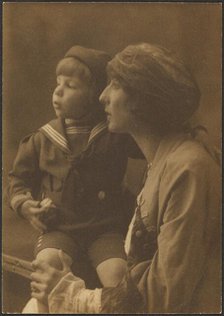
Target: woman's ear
<point>135,103</point>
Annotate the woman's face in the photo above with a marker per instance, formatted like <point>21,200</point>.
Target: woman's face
<point>117,106</point>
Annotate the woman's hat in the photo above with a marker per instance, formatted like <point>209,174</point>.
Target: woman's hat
<point>163,81</point>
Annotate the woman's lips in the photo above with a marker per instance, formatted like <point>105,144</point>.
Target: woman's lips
<point>108,115</point>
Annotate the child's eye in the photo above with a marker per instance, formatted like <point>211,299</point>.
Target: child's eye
<point>72,85</point>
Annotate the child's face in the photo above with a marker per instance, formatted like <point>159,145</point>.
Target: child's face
<point>71,97</point>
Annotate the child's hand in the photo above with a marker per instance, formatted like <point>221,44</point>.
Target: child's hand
<point>31,210</point>
<point>46,277</point>
<point>50,213</point>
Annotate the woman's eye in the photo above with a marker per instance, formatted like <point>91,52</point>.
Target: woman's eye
<point>115,84</point>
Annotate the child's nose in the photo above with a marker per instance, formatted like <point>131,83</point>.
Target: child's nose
<point>58,90</point>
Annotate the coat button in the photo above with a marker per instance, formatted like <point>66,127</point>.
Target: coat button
<point>101,195</point>
<point>138,233</point>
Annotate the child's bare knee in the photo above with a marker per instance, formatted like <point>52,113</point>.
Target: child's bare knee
<point>111,271</point>
<point>50,255</point>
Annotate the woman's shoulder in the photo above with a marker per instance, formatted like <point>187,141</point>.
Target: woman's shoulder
<point>189,164</point>
<point>191,155</point>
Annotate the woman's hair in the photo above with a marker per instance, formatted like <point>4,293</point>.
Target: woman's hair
<point>166,93</point>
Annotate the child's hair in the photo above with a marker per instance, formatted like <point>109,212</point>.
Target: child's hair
<point>70,66</point>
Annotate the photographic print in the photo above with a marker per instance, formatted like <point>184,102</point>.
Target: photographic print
<point>111,199</point>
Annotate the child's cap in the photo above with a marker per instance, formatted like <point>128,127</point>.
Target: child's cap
<point>95,60</point>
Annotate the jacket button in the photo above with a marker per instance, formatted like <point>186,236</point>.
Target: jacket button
<point>152,228</point>
<point>138,233</point>
<point>101,195</point>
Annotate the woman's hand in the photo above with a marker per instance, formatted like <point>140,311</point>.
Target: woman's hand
<point>45,278</point>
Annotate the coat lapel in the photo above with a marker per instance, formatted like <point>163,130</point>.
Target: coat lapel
<point>151,186</point>
<point>166,146</point>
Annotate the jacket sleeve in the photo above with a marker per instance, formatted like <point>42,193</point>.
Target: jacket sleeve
<point>168,282</point>
<point>70,296</point>
<point>25,174</point>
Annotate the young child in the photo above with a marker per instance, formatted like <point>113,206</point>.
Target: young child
<point>67,176</point>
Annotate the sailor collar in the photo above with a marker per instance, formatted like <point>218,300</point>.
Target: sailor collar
<point>55,132</point>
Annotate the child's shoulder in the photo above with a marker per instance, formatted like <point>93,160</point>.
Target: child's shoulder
<point>36,135</point>
<point>123,143</point>
<point>113,138</point>
<point>122,139</point>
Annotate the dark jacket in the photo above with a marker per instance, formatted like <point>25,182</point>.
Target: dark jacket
<point>87,188</point>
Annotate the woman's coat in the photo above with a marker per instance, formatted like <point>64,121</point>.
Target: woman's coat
<point>174,254</point>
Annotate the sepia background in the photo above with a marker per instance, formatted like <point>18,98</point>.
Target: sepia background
<point>35,38</point>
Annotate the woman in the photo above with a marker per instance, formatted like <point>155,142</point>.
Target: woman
<point>173,239</point>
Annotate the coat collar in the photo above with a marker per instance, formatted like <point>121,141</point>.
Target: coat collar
<point>167,145</point>
<point>55,132</point>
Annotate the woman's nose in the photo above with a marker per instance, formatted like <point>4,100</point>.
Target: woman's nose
<point>104,96</point>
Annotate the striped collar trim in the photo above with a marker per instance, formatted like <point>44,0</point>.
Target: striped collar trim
<point>56,137</point>
<point>96,130</point>
<point>78,130</point>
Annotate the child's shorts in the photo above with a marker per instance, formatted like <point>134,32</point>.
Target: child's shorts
<point>105,246</point>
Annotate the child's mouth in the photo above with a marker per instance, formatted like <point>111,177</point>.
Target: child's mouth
<point>56,105</point>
